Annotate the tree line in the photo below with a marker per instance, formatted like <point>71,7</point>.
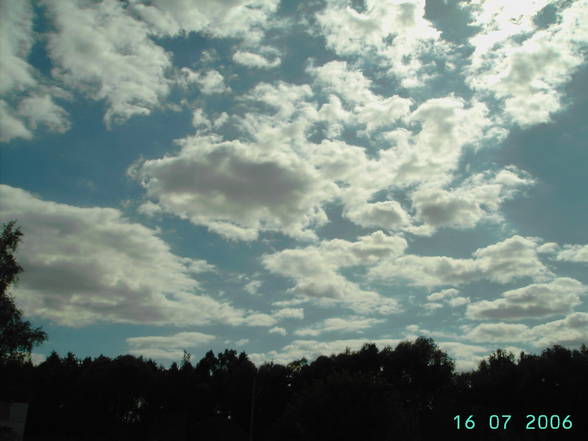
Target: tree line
<point>409,392</point>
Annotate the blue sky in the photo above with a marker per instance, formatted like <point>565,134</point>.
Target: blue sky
<point>294,178</point>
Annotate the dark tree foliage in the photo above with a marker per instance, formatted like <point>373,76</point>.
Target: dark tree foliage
<point>410,392</point>
<point>17,336</point>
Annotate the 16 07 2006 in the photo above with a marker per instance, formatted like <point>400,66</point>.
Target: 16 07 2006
<point>501,422</point>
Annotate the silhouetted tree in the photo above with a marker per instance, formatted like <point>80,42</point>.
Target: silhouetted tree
<point>17,337</point>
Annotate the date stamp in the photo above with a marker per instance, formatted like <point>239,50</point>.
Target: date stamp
<point>501,422</point>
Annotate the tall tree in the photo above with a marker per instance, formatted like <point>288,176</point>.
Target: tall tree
<point>17,336</point>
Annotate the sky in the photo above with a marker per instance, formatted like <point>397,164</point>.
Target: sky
<point>292,179</point>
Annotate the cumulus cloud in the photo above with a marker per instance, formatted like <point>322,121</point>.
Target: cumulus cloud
<point>253,287</point>
<point>510,259</point>
<point>520,64</point>
<point>86,265</point>
<point>394,31</point>
<point>209,82</point>
<point>16,31</point>
<point>498,333</point>
<point>254,60</point>
<point>169,347</point>
<point>278,330</point>
<point>574,253</point>
<point>336,324</point>
<point>467,357</point>
<point>429,152</point>
<point>27,100</point>
<point>537,300</point>
<point>289,313</point>
<point>314,270</point>
<point>237,189</point>
<point>570,331</point>
<point>105,53</point>
<point>443,294</point>
<point>11,126</point>
<point>478,198</point>
<point>221,19</point>
<point>284,97</point>
<point>448,296</point>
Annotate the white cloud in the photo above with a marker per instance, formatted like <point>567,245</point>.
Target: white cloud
<point>11,126</point>
<point>393,30</point>
<point>432,306</point>
<point>349,84</point>
<point>253,287</point>
<point>448,296</point>
<point>102,51</point>
<point>574,253</point>
<point>466,356</point>
<point>169,347</point>
<point>314,271</point>
<point>458,301</point>
<point>251,59</point>
<point>443,126</point>
<point>532,301</point>
<point>86,265</point>
<point>524,66</point>
<point>385,214</point>
<point>16,41</point>
<point>336,324</point>
<point>20,117</point>
<point>41,110</point>
<point>222,19</point>
<point>278,330</point>
<point>510,259</point>
<point>289,313</point>
<point>443,294</point>
<point>478,198</point>
<point>498,333</point>
<point>570,331</point>
<point>238,189</point>
<point>286,98</point>
<point>210,81</point>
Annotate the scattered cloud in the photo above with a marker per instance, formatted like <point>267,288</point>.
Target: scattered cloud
<point>209,81</point>
<point>574,253</point>
<point>237,189</point>
<point>510,259</point>
<point>26,97</point>
<point>498,333</point>
<point>393,32</point>
<point>289,313</point>
<point>228,19</point>
<point>254,60</point>
<point>570,331</point>
<point>88,265</point>
<point>315,271</point>
<point>521,65</point>
<point>336,324</point>
<point>278,330</point>
<point>104,52</point>
<point>169,347</point>
<point>537,300</point>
